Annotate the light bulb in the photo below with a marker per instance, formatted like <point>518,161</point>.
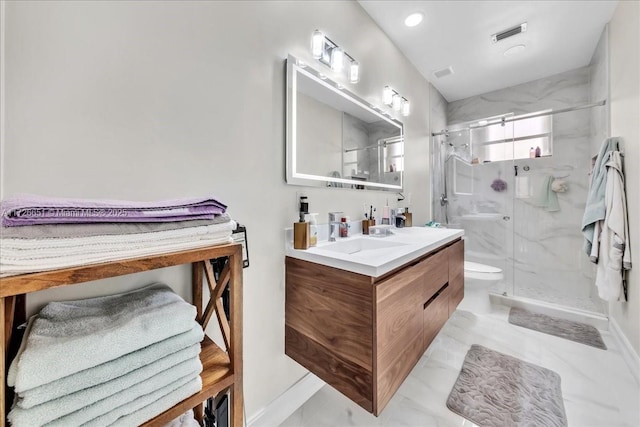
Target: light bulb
<point>413,19</point>
<point>317,44</point>
<point>406,107</point>
<point>354,72</point>
<point>396,101</point>
<point>337,59</point>
<point>387,95</point>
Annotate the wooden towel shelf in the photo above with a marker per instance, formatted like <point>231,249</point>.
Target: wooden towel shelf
<point>222,370</point>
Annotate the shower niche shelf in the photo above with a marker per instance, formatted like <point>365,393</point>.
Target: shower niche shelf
<point>222,370</point>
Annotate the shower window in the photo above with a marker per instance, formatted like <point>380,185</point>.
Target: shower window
<point>526,135</point>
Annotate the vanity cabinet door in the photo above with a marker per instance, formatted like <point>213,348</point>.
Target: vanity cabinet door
<point>456,274</point>
<point>398,331</point>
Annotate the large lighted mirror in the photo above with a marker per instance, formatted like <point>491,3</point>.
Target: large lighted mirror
<point>335,139</point>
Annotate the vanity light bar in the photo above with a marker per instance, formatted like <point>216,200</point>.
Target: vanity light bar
<point>398,102</point>
<point>406,107</point>
<point>330,54</point>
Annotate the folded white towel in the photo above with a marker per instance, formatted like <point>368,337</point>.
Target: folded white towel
<point>109,410</point>
<point>522,187</point>
<point>109,370</point>
<point>45,264</point>
<point>18,256</point>
<point>65,405</point>
<point>74,245</point>
<point>163,403</point>
<point>58,231</point>
<point>69,337</point>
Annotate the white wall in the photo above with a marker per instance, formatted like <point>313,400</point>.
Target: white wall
<point>152,100</point>
<point>624,53</point>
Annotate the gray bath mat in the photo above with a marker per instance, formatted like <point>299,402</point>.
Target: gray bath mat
<point>494,389</point>
<point>574,331</point>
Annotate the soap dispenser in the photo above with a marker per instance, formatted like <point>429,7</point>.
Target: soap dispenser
<point>301,229</point>
<point>301,234</point>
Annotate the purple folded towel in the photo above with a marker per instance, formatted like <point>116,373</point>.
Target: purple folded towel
<point>31,210</point>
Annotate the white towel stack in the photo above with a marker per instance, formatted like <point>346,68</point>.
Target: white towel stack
<point>116,360</point>
<point>33,248</point>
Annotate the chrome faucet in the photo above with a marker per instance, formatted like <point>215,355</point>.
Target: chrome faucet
<point>334,225</point>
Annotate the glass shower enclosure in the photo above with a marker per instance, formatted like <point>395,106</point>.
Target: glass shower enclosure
<point>517,185</point>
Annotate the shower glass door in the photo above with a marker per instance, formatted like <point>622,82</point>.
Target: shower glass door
<point>549,199</point>
<point>487,217</point>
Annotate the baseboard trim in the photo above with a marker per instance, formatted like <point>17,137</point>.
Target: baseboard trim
<point>287,403</point>
<point>628,352</point>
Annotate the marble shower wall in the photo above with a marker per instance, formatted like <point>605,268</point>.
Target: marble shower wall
<point>544,248</point>
<point>599,90</point>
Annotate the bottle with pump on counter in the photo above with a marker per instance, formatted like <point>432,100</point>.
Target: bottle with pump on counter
<point>302,229</point>
<point>386,214</point>
<point>301,233</point>
<point>408,221</point>
<point>312,219</point>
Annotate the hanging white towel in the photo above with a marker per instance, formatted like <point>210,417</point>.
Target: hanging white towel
<point>523,190</point>
<point>614,256</point>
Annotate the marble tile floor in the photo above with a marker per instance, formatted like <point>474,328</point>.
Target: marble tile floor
<point>598,387</point>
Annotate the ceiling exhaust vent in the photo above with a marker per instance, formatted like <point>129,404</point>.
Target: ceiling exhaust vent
<point>509,33</point>
<point>444,72</point>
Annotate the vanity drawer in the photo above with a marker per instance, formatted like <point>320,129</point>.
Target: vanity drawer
<point>435,271</point>
<point>435,314</point>
<point>456,275</point>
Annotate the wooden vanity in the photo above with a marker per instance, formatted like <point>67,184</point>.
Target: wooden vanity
<point>363,334</point>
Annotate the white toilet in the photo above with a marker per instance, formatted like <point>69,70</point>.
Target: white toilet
<point>478,278</point>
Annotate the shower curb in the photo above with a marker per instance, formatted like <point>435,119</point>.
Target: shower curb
<point>601,322</point>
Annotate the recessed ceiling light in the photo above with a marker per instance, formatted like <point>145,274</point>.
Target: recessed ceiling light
<point>413,19</point>
<point>514,50</point>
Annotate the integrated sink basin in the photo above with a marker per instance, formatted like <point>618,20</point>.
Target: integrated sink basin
<point>375,256</point>
<point>355,246</point>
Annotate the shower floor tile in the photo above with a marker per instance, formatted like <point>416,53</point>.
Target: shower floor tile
<point>597,386</point>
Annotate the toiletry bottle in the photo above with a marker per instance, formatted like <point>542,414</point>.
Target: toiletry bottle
<point>344,227</point>
<point>313,229</point>
<point>386,214</point>
<point>532,153</point>
<point>301,232</point>
<point>408,221</point>
<point>304,204</point>
<point>538,151</point>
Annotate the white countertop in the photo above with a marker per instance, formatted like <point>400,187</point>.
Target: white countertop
<point>414,242</point>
